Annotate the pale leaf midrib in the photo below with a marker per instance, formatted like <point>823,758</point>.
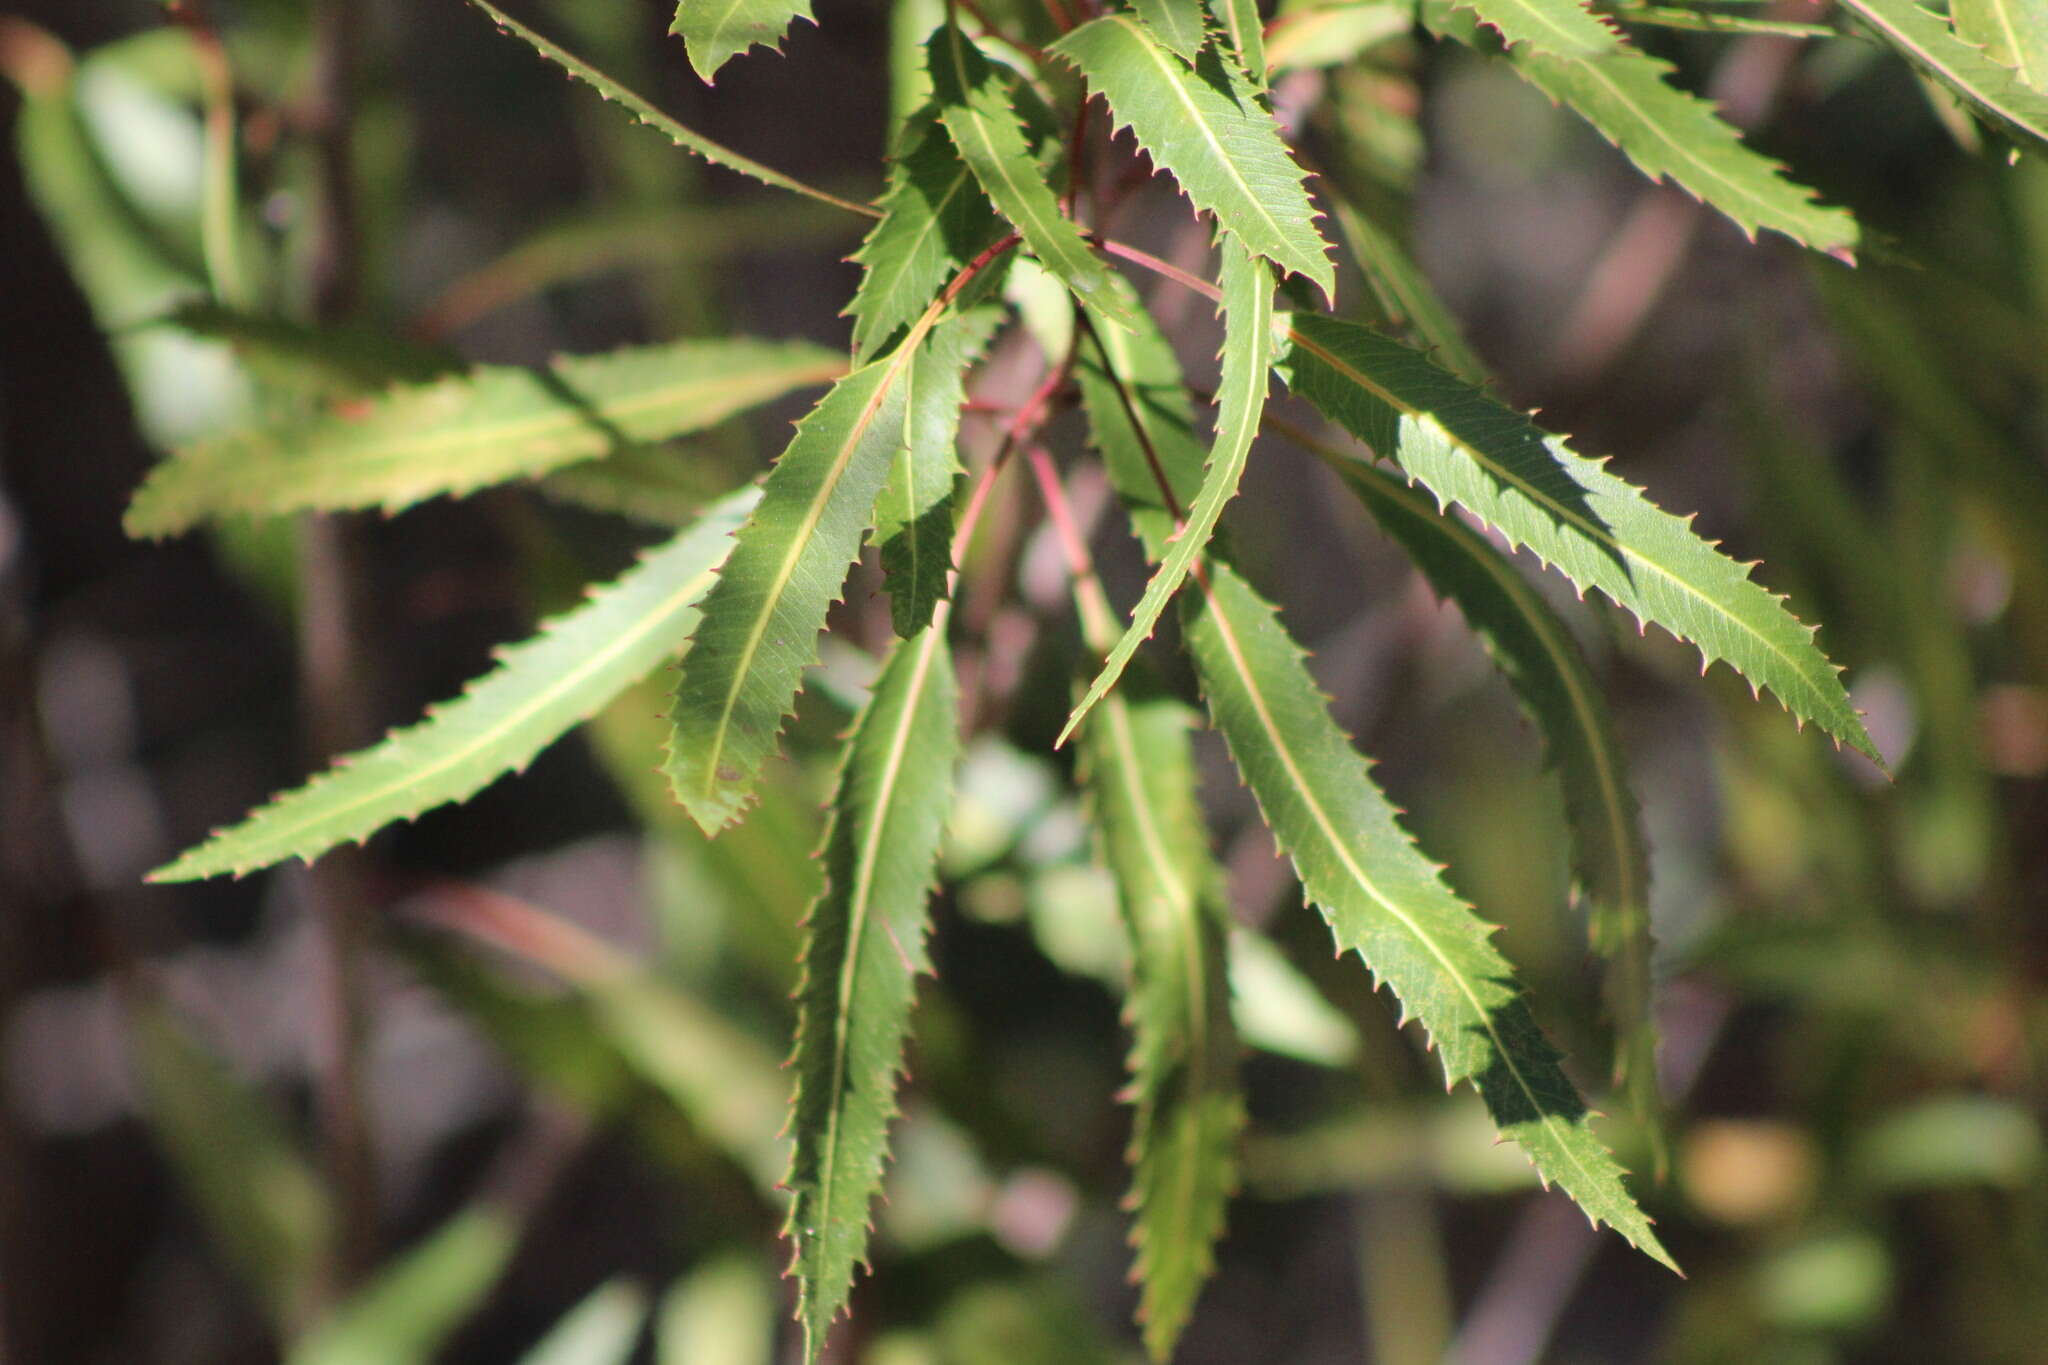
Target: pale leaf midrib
<point>565,684</point>
<point>798,543</point>
<point>1304,790</point>
<point>859,901</point>
<point>1535,496</point>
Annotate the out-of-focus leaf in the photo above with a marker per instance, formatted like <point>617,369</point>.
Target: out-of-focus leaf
<point>402,1316</point>
<point>721,1313</point>
<point>320,362</point>
<point>451,436</point>
<point>1405,295</point>
<point>1334,34</point>
<point>541,687</point>
<point>601,1330</point>
<point>258,1194</point>
<point>1278,1010</point>
<point>1951,1140</point>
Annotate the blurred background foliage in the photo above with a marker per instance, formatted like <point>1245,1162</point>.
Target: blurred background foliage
<point>573,1008</point>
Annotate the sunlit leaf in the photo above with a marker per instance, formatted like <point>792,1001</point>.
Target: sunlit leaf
<point>865,950</point>
<point>1241,398</point>
<point>2012,33</point>
<point>1244,30</point>
<point>716,31</point>
<point>541,687</point>
<point>1994,91</point>
<point>1563,28</point>
<point>1178,24</point>
<point>601,1330</point>
<point>418,1299</point>
<point>1596,529</point>
<point>454,435</point>
<point>1208,130</point>
<point>975,106</point>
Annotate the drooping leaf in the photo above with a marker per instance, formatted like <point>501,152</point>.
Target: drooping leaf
<point>452,436</point>
<point>2013,33</point>
<point>762,620</point>
<point>1670,134</point>
<point>1140,420</point>
<point>646,112</point>
<point>1405,295</point>
<point>1245,31</point>
<point>1994,91</point>
<point>865,948</point>
<point>1178,24</point>
<point>1548,672</point>
<point>1356,863</point>
<point>716,31</point>
<point>417,1299</point>
<point>601,1330</point>
<point>1385,900</point>
<point>541,687</point>
<point>1140,775</point>
<point>1563,28</point>
<point>1240,399</point>
<point>914,515</point>
<point>259,1196</point>
<point>975,105</point>
<point>1207,129</point>
<point>934,220</point>
<point>1595,528</point>
<point>318,361</point>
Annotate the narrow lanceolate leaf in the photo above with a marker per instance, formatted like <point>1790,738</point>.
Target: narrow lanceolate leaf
<point>1385,900</point>
<point>566,672</point>
<point>645,111</point>
<point>2012,33</point>
<point>1354,860</point>
<point>1994,91</point>
<point>914,515</point>
<point>975,106</point>
<point>1598,530</point>
<point>454,435</point>
<point>1405,295</point>
<point>866,946</point>
<point>934,220</point>
<point>1670,134</point>
<point>1206,128</point>
<point>1240,399</point>
<point>1176,23</point>
<point>716,31</point>
<point>1141,780</point>
<point>762,620</point>
<point>1245,31</point>
<point>1550,675</point>
<point>1561,27</point>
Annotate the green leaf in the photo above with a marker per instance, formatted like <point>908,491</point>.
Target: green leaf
<point>865,949</point>
<point>723,1311</point>
<point>716,31</point>
<point>1356,863</point>
<point>2013,33</point>
<point>1405,295</point>
<point>1592,526</point>
<point>417,1299</point>
<point>643,110</point>
<point>762,619</point>
<point>1996,92</point>
<point>458,434</point>
<point>1334,34</point>
<point>1385,900</point>
<point>258,1195</point>
<point>1245,31</point>
<point>1543,663</point>
<point>976,108</point>
<point>1241,399</point>
<point>914,515</point>
<point>1207,128</point>
<point>1178,24</point>
<point>321,361</point>
<point>933,222</point>
<point>1140,775</point>
<point>1564,28</point>
<point>601,1330</point>
<point>572,666</point>
<point>1670,134</point>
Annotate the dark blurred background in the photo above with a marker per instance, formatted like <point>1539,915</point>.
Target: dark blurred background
<point>1850,967</point>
